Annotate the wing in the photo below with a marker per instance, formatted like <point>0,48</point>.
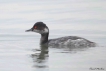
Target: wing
<point>71,41</point>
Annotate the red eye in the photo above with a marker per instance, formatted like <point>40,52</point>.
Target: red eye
<point>35,27</point>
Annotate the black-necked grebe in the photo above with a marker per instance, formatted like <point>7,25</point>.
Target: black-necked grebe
<point>75,41</point>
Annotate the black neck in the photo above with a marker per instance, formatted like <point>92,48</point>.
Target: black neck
<point>44,38</point>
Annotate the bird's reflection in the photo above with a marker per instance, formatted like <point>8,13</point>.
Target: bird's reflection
<point>40,59</point>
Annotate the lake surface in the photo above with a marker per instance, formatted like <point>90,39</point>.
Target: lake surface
<point>20,51</point>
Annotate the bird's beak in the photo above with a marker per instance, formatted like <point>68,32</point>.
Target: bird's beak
<point>28,30</point>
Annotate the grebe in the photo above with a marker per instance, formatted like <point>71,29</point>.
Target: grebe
<point>75,41</point>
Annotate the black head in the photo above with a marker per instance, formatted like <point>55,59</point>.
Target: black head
<point>39,27</point>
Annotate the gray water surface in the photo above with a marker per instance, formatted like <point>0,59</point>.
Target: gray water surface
<point>20,51</point>
<point>24,53</point>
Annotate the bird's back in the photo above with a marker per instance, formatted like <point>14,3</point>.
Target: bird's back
<point>71,41</point>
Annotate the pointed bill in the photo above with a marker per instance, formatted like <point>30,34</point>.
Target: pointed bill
<point>28,30</point>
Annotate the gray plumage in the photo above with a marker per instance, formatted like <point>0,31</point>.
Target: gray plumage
<point>72,41</point>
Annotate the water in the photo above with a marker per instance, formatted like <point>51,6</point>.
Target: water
<point>20,51</point>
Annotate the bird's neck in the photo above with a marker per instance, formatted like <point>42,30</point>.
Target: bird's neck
<point>44,38</point>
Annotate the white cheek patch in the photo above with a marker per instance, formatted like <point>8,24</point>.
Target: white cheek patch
<point>37,31</point>
<point>46,30</point>
<point>41,31</point>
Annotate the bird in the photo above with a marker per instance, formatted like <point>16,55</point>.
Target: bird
<point>72,41</point>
